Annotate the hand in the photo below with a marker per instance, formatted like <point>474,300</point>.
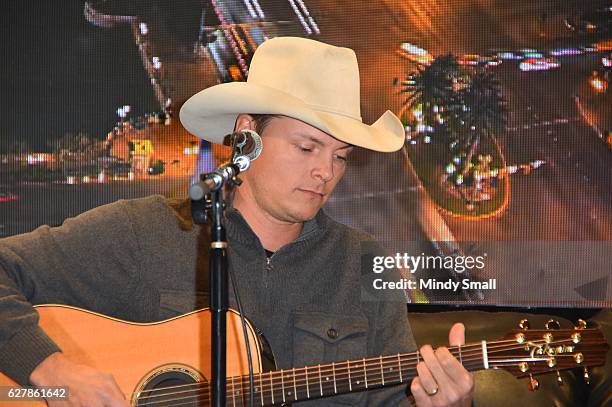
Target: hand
<point>86,386</point>
<point>442,380</point>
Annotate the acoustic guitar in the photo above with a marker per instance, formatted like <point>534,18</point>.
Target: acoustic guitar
<point>167,363</point>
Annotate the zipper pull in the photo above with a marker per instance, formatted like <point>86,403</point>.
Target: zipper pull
<point>268,264</point>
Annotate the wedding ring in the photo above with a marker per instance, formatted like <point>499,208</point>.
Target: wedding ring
<point>433,392</point>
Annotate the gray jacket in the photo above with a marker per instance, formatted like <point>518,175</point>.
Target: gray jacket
<point>142,260</point>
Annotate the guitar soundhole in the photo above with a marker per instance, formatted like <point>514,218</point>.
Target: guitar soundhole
<point>173,386</point>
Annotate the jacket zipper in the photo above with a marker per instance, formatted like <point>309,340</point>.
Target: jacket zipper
<point>268,264</point>
<point>269,268</point>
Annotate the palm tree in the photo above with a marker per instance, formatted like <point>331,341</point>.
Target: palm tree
<point>434,87</point>
<point>484,112</point>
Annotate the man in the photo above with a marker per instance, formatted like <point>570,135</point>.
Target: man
<point>297,271</point>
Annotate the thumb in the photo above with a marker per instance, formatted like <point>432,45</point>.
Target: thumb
<point>456,335</point>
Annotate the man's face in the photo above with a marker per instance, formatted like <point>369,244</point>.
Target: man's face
<point>296,172</point>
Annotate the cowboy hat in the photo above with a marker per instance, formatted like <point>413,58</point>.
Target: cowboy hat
<point>307,80</point>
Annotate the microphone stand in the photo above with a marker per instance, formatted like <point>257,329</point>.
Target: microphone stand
<point>208,204</point>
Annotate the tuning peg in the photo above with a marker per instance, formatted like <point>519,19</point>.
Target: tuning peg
<point>533,384</point>
<point>524,324</point>
<point>552,324</point>
<point>559,379</point>
<point>581,324</point>
<point>586,375</point>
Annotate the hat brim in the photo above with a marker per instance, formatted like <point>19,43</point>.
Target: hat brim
<point>211,114</point>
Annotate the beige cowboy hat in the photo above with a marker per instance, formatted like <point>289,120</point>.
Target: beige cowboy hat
<point>307,80</point>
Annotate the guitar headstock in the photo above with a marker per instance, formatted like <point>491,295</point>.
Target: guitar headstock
<point>529,352</point>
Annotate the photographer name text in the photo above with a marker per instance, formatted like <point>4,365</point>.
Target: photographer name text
<point>433,284</point>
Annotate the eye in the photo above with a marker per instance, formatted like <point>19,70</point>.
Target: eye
<point>340,157</point>
<point>305,149</point>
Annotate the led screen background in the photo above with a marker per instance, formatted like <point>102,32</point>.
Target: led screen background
<point>541,210</point>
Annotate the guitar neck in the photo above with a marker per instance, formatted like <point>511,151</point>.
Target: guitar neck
<point>310,382</point>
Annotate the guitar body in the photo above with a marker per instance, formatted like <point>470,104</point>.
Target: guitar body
<point>170,352</point>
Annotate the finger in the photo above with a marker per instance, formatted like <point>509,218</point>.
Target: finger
<point>445,384</point>
<point>453,369</point>
<point>115,399</point>
<point>114,396</point>
<point>420,397</point>
<point>427,381</point>
<point>456,335</point>
<point>118,393</point>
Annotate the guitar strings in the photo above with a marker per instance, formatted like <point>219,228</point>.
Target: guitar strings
<point>465,349</point>
<point>390,359</point>
<point>340,370</point>
<point>263,397</point>
<point>232,397</point>
<point>324,368</point>
<point>356,374</point>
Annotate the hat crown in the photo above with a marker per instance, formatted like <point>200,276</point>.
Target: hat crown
<point>323,76</point>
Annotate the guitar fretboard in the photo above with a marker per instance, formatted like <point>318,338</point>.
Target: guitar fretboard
<point>296,384</point>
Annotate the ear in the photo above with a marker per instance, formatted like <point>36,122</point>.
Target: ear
<point>244,121</point>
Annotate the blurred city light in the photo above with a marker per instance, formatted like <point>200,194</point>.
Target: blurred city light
<point>599,85</point>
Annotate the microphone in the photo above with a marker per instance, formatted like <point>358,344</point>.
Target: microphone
<point>247,147</point>
<point>246,142</point>
<point>199,190</point>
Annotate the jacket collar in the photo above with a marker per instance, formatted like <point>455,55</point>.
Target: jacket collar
<point>239,230</point>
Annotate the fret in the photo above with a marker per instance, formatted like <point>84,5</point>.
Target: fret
<point>272,388</point>
<point>382,373</point>
<point>348,364</point>
<point>460,357</point>
<point>320,382</point>
<point>283,385</point>
<point>307,385</point>
<point>334,375</point>
<point>233,392</point>
<point>294,386</point>
<point>365,373</point>
<point>242,385</point>
<point>260,390</point>
<point>399,367</point>
<point>241,390</point>
<point>418,357</point>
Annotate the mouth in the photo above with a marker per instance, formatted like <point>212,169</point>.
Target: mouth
<point>311,193</point>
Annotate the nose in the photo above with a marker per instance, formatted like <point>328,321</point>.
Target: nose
<point>324,169</point>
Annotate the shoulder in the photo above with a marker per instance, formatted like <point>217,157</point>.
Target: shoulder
<point>159,213</point>
<point>367,249</point>
<point>153,206</point>
<point>341,230</point>
<point>349,236</point>
<point>124,215</point>
<point>124,210</point>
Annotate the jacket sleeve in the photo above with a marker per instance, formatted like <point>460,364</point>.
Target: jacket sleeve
<point>87,262</point>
